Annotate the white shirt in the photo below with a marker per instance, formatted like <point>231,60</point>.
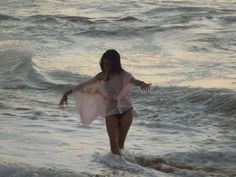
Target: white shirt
<point>96,98</point>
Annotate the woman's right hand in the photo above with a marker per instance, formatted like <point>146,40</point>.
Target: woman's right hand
<point>63,101</point>
<point>64,98</point>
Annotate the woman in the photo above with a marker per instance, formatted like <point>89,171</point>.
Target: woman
<point>108,95</point>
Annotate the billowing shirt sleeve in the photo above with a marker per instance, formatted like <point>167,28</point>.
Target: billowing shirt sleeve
<point>128,77</point>
<point>89,100</point>
<point>84,85</point>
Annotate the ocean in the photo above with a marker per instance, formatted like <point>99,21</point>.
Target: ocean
<point>184,126</point>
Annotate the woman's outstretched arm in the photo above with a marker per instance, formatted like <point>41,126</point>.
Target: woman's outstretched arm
<point>143,85</point>
<point>65,97</point>
<point>81,87</point>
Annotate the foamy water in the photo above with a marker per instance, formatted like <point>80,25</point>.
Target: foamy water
<point>185,126</point>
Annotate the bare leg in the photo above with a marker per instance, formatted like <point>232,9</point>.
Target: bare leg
<point>112,124</point>
<point>125,123</point>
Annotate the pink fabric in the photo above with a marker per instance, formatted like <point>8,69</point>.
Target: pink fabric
<point>96,98</point>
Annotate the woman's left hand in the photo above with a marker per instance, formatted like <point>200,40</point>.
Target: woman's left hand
<point>145,87</point>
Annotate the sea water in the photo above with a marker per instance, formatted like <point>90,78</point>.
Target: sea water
<point>184,126</point>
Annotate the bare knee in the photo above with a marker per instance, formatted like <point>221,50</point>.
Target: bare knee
<point>112,125</point>
<point>125,123</point>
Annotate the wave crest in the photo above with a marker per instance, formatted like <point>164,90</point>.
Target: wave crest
<point>55,18</point>
<point>7,17</point>
<point>19,72</point>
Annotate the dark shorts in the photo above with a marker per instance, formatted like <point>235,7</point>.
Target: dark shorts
<point>120,115</point>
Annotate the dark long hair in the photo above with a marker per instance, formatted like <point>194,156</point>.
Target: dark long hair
<point>114,57</point>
